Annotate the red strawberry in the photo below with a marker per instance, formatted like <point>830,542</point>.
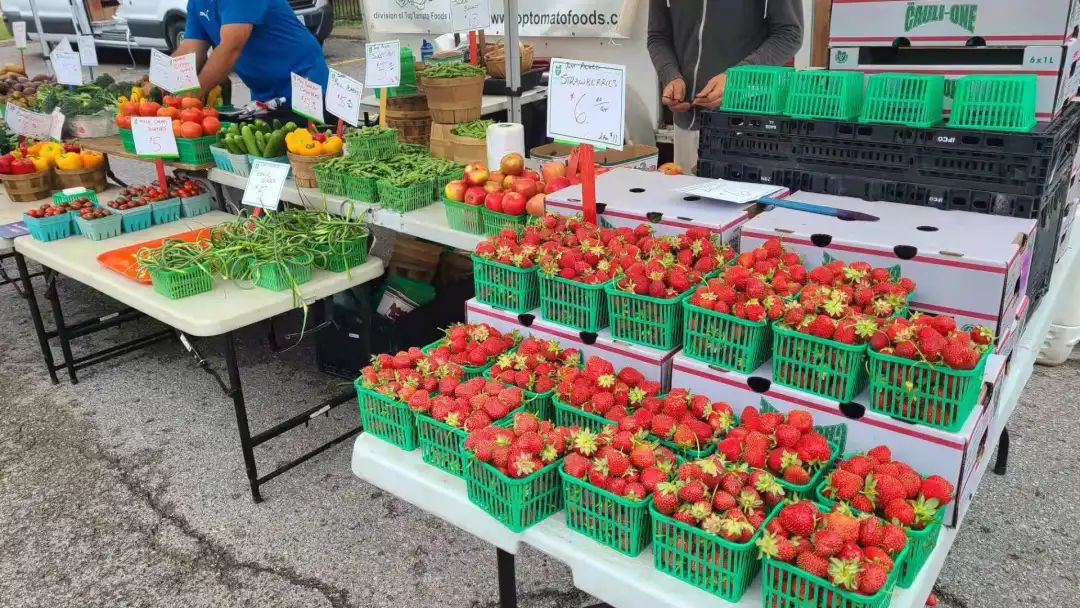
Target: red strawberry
<point>938,488</point>
<point>871,579</point>
<point>813,563</point>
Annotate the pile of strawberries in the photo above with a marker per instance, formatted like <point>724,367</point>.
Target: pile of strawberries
<point>875,483</point>
<point>509,249</point>
<point>785,445</point>
<point>771,261</point>
<point>402,376</point>
<point>933,339</point>
<point>473,344</point>
<point>535,365</point>
<point>597,389</point>
<point>854,553</point>
<point>754,288</point>
<point>863,288</point>
<point>468,405</point>
<point>618,461</point>
<point>658,277</point>
<point>826,312</point>
<point>527,446</point>
<point>728,501</point>
<point>689,422</point>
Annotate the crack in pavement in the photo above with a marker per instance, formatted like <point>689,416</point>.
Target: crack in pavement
<point>561,597</point>
<point>952,600</point>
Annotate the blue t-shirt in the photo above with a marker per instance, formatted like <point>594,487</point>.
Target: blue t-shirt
<point>279,44</point>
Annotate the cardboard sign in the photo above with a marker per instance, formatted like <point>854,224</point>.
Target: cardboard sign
<point>68,68</point>
<point>383,66</point>
<point>343,97</point>
<point>88,50</point>
<point>468,15</point>
<point>173,74</point>
<point>307,98</point>
<point>265,183</point>
<point>587,103</point>
<point>154,137</point>
<point>56,130</point>
<point>63,47</point>
<point>29,124</point>
<point>18,30</point>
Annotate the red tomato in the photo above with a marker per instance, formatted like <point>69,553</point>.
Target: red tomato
<point>123,121</point>
<point>131,108</point>
<point>211,125</point>
<point>191,130</point>
<point>172,101</point>
<point>209,112</point>
<point>176,124</point>
<point>191,115</point>
<point>169,111</point>
<point>148,108</point>
<point>190,102</point>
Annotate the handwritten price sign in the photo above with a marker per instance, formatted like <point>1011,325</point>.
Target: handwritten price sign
<point>18,30</point>
<point>587,103</point>
<point>264,184</point>
<point>468,15</point>
<point>30,124</point>
<point>88,50</point>
<point>307,98</point>
<point>154,137</point>
<point>68,68</point>
<point>175,75</point>
<point>343,97</point>
<point>383,67</point>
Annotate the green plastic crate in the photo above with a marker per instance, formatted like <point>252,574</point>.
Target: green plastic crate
<point>340,257</point>
<point>573,304</point>
<point>177,284</point>
<point>995,102</point>
<point>723,340</point>
<point>516,503</point>
<point>495,222</point>
<point>127,139</point>
<point>466,218</point>
<point>330,181</point>
<point>443,446</point>
<point>408,198</point>
<point>388,419</point>
<point>196,151</point>
<point>59,198</point>
<point>568,415</point>
<point>361,189</point>
<point>281,276</point>
<point>165,211</point>
<point>507,287</point>
<point>651,322</point>
<point>699,559</point>
<point>932,395</point>
<point>759,89</point>
<point>372,147</point>
<point>821,367</point>
<point>825,94</point>
<point>914,100</point>
<point>100,229</point>
<point>439,182</point>
<point>613,521</point>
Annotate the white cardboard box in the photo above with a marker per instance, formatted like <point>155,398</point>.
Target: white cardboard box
<point>652,363</point>
<point>633,156</point>
<point>937,23</point>
<point>970,265</point>
<point>1055,66</point>
<point>628,197</point>
<point>930,451</point>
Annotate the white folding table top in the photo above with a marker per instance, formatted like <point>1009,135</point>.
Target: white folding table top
<point>227,307</point>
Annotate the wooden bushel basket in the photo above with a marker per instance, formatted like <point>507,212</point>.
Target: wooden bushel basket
<point>303,169</point>
<point>454,100</point>
<point>468,149</point>
<point>28,187</point>
<point>91,179</point>
<point>411,117</point>
<point>495,59</point>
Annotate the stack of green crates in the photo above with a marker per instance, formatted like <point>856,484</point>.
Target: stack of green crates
<point>758,89</point>
<point>995,102</point>
<point>914,100</point>
<point>825,94</point>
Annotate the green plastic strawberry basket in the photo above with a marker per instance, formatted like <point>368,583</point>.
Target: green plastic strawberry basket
<point>914,100</point>
<point>573,304</point>
<point>183,283</point>
<point>644,320</point>
<point>703,560</point>
<point>825,368</point>
<point>932,395</point>
<point>360,188</point>
<point>330,179</point>
<point>471,371</point>
<point>388,419</point>
<point>995,102</point>
<point>196,151</point>
<point>836,435</point>
<point>495,222</point>
<point>127,140</point>
<point>438,183</point>
<point>59,198</point>
<point>283,275</point>
<point>816,94</point>
<point>341,256</point>
<point>613,521</point>
<point>404,199</point>
<point>568,415</point>
<point>515,503</point>
<point>724,340</point>
<point>442,445</point>
<point>506,287</point>
<point>537,403</point>
<point>464,218</point>
<point>380,146</point>
<point>758,89</point>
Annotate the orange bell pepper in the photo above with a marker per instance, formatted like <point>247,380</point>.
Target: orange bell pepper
<point>333,145</point>
<point>91,159</point>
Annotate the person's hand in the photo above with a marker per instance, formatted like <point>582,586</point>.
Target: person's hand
<point>674,96</point>
<point>713,93</point>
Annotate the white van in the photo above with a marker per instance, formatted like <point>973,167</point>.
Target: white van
<point>157,24</point>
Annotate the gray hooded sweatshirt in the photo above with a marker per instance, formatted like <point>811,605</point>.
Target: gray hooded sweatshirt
<point>697,39</point>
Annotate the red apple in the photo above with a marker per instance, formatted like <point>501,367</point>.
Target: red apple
<point>553,169</point>
<point>513,203</point>
<point>476,174</point>
<point>493,186</point>
<point>512,164</point>
<point>494,201</point>
<point>475,196</point>
<point>508,181</point>
<point>535,206</point>
<point>670,169</point>
<point>455,190</point>
<point>556,184</point>
<point>497,176</point>
<point>525,187</point>
<point>533,175</point>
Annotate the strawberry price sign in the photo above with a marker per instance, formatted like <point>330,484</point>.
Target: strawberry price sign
<point>587,103</point>
<point>383,67</point>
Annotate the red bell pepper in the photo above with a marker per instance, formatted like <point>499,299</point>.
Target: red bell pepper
<point>22,166</point>
<point>5,164</point>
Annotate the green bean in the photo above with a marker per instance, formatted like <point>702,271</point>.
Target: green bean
<point>452,69</point>
<point>476,129</point>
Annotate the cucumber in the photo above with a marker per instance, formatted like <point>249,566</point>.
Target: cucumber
<point>276,145</point>
<point>248,135</point>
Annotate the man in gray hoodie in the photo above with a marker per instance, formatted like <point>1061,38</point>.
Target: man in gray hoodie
<point>693,42</point>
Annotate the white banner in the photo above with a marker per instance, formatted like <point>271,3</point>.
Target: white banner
<point>553,18</point>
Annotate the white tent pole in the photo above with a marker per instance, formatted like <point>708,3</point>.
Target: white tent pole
<point>513,61</point>
<point>41,34</point>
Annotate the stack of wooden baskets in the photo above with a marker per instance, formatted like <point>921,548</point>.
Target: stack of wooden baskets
<point>411,117</point>
<point>495,58</point>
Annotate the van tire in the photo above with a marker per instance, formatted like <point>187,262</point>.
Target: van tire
<point>174,32</point>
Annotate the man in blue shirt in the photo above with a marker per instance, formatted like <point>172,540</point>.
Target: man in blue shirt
<point>261,40</point>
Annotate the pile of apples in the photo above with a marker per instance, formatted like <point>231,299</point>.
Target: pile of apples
<point>511,189</point>
<point>189,118</point>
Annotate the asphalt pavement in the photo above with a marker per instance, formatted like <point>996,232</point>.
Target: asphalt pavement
<point>128,490</point>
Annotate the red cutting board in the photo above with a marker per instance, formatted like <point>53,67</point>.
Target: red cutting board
<point>122,260</point>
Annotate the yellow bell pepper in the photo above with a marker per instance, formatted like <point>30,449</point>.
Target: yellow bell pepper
<point>333,145</point>
<point>312,148</point>
<point>91,159</point>
<point>69,161</point>
<point>35,148</point>
<point>41,164</point>
<point>296,140</point>
<point>50,150</point>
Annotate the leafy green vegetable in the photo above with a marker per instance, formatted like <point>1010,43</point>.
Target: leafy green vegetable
<point>86,100</point>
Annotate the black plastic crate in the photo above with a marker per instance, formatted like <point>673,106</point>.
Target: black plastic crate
<point>1047,240</point>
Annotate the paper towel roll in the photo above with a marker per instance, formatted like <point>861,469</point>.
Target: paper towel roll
<point>502,139</point>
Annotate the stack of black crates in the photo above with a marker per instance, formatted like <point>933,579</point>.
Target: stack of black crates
<point>1025,175</point>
